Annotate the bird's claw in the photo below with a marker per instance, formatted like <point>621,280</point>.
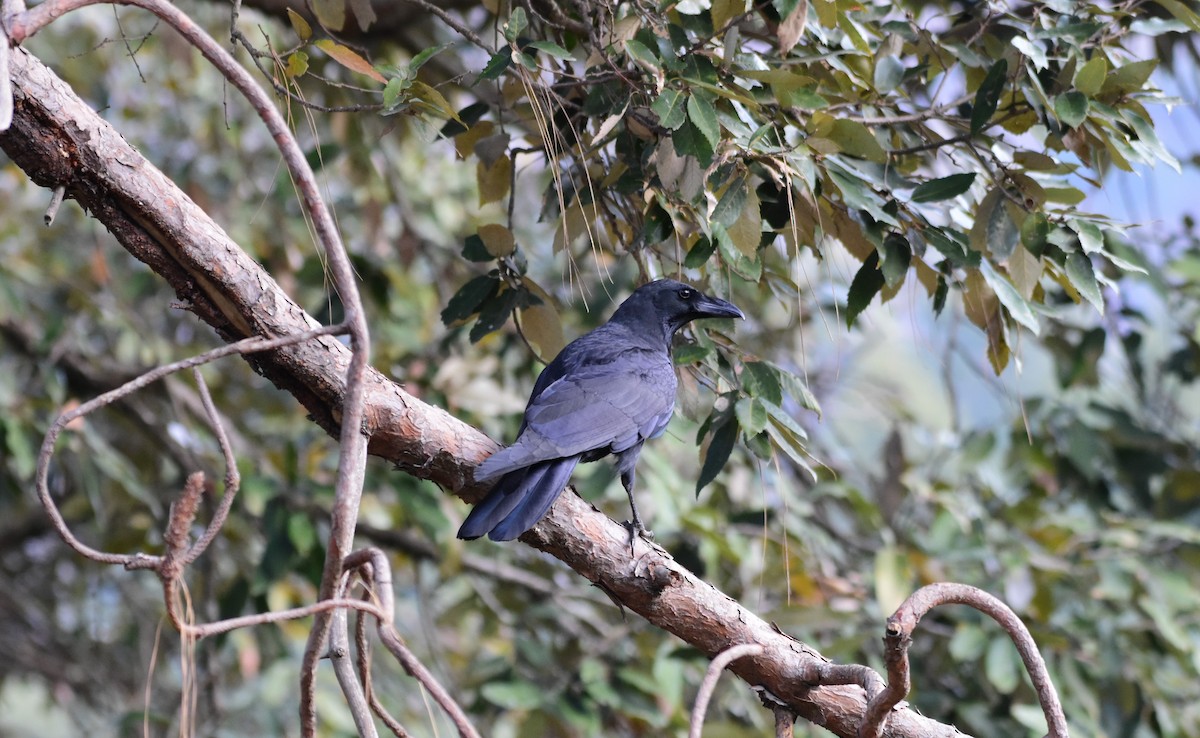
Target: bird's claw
<point>637,530</point>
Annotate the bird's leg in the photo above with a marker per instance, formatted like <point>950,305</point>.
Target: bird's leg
<point>635,526</point>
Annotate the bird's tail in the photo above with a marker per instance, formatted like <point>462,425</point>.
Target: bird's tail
<point>518,500</point>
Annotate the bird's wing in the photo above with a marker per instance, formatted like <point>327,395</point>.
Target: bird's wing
<point>613,406</point>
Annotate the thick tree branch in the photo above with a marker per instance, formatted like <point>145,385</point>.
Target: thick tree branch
<point>56,139</point>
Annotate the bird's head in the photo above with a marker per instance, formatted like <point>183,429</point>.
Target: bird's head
<point>673,304</point>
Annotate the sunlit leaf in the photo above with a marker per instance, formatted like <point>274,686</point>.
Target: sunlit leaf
<point>889,71</point>
<point>552,49</point>
<point>516,25</point>
<point>297,64</point>
<point>751,415</point>
<point>300,25</point>
<point>1016,305</point>
<point>497,239</point>
<point>349,59</point>
<point>670,108</point>
<point>1071,108</point>
<point>1090,77</point>
<point>856,139</point>
<point>703,115</point>
<point>494,181</point>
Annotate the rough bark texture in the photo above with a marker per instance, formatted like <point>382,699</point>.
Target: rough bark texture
<point>58,140</point>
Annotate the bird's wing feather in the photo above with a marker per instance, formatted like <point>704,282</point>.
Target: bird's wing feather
<point>615,404</point>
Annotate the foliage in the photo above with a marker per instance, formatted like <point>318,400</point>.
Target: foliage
<point>810,160</point>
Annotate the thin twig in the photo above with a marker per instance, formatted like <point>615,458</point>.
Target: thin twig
<point>382,587</point>
<point>455,24</point>
<point>785,722</point>
<point>722,660</point>
<point>139,560</point>
<point>233,480</point>
<point>56,200</point>
<point>362,647</point>
<point>898,638</point>
<point>263,618</point>
<point>343,669</point>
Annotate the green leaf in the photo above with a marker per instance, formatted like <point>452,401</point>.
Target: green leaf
<point>690,353</point>
<point>688,141</point>
<point>297,65</point>
<point>499,62</point>
<point>889,71</point>
<point>760,379</point>
<point>751,415</point>
<point>1025,269</point>
<point>669,107</point>
<point>1002,231</point>
<point>494,313</point>
<point>1082,276</point>
<point>1071,108</point>
<point>1182,12</point>
<point>1034,232</point>
<point>896,257</point>
<point>866,284</point>
<point>552,49</point>
<point>467,300</point>
<point>747,266</point>
<point>703,115</point>
<point>641,52</point>
<point>988,96</point>
<point>723,439</point>
<point>944,188</point>
<point>20,450</point>
<point>1001,666</point>
<point>856,139</point>
<point>940,294</point>
<point>954,245</point>
<point>423,56</point>
<point>788,436</point>
<point>513,695</point>
<point>1016,305</point>
<point>729,208</point>
<point>1090,236</point>
<point>1090,77</point>
<point>698,255</point>
<point>517,22</point>
<point>301,26</point>
<point>1130,77</point>
<point>893,578</point>
<point>806,98</point>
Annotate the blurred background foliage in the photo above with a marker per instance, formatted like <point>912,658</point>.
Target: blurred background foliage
<point>986,423</point>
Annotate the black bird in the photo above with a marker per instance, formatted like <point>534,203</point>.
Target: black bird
<point>605,393</point>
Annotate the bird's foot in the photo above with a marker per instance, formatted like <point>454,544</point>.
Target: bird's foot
<point>637,530</point>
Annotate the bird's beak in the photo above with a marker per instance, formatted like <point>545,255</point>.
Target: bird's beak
<point>715,307</point>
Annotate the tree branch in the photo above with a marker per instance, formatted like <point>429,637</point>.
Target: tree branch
<point>898,638</point>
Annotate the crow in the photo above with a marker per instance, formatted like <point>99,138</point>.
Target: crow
<point>605,393</point>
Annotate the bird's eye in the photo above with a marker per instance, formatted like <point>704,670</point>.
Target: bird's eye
<point>686,293</point>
